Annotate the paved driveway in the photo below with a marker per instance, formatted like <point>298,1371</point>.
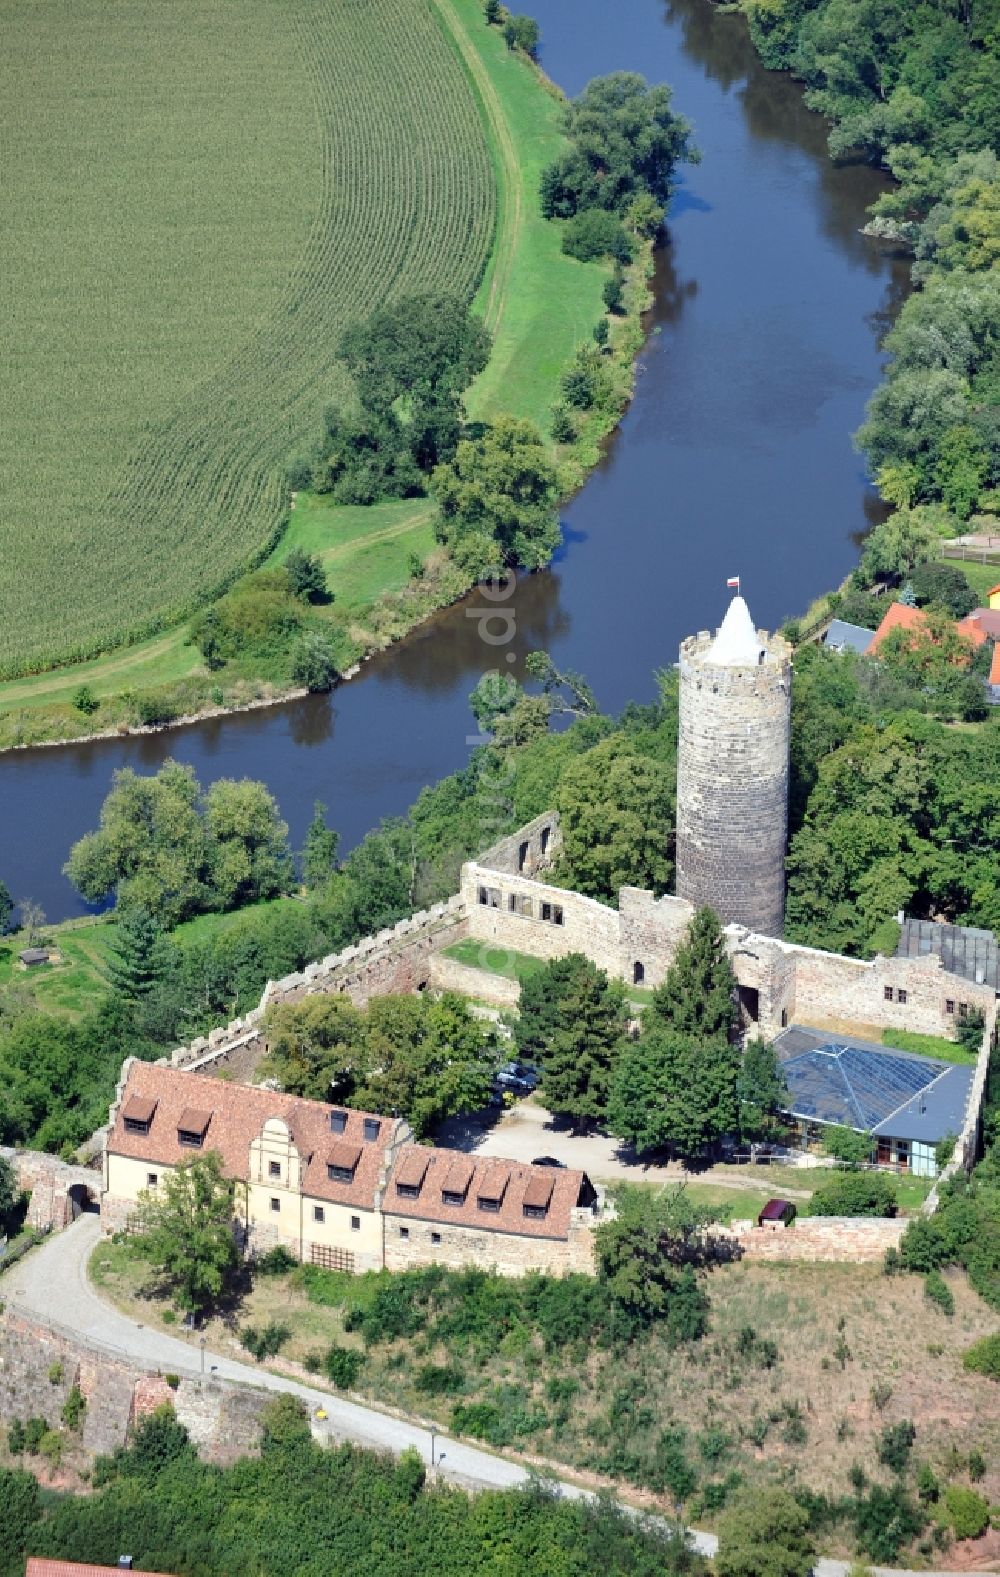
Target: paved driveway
<point>51,1283</point>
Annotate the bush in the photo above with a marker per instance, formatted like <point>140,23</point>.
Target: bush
<point>596,233</point>
<point>15,1438</point>
<point>34,1431</point>
<point>522,32</point>
<point>342,1365</point>
<point>885,1519</point>
<point>967,1511</point>
<point>154,708</point>
<point>314,661</point>
<point>276,1262</point>
<point>85,700</point>
<point>945,585</point>
<point>266,1342</point>
<point>173,1380</point>
<point>436,1379</point>
<point>73,1409</point>
<point>846,1145</point>
<point>855,1194</point>
<point>307,577</point>
<point>561,424</point>
<point>613,293</point>
<point>602,329</point>
<point>895,1445</point>
<point>939,1292</point>
<point>51,1446</point>
<point>983,1357</point>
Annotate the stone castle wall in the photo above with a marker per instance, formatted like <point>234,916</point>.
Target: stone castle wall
<point>510,1253</point>
<point>837,1239</point>
<point>732,784</point>
<point>58,1191</point>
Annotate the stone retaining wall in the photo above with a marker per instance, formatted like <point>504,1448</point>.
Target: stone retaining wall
<point>510,1253</point>
<point>447,974</point>
<point>851,1239</point>
<point>58,1191</point>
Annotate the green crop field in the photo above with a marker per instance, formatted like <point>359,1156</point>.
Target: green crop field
<point>197,198</point>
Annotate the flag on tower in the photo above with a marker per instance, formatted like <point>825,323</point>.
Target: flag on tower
<point>734,580</point>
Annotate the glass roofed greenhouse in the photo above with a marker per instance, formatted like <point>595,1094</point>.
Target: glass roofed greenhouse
<point>907,1103</point>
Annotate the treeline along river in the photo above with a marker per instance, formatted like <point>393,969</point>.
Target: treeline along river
<point>734,458</point>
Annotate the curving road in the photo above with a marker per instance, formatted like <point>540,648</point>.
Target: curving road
<point>51,1284</point>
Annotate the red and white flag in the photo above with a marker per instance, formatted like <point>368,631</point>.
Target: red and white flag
<point>734,580</point>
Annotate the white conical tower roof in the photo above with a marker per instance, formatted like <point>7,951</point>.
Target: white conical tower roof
<point>737,644</point>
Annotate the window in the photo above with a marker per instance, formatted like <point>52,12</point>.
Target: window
<point>319,1214</point>
<point>275,1203</point>
<point>408,1190</point>
<point>355,1223</point>
<point>134,1125</point>
<point>490,1206</point>
<point>489,897</point>
<point>274,1168</point>
<point>338,1122</point>
<point>404,1232</point>
<point>784,1018</point>
<point>339,1174</point>
<point>152,1178</point>
<point>545,835</point>
<point>372,1129</point>
<point>522,856</point>
<point>638,973</point>
<point>536,1212</point>
<point>901,997</point>
<point>451,1198</point>
<point>963,1008</point>
<point>949,1006</point>
<point>546,911</point>
<point>520,903</point>
<point>887,993</point>
<point>557,914</point>
<point>435,1237</point>
<point>192,1140</point>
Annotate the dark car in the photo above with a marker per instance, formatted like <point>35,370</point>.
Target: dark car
<point>777,1212</point>
<point>517,1077</point>
<point>548,1160</point>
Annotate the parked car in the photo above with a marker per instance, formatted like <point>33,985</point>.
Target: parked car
<point>548,1160</point>
<point>517,1077</point>
<point>777,1212</point>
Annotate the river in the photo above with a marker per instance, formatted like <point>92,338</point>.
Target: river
<point>734,458</point>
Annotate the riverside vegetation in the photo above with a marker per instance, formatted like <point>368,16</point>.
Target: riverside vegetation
<point>384,565</point>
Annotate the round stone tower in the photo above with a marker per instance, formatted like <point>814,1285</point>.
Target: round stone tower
<point>732,771</point>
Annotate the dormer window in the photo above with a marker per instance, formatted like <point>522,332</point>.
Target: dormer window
<point>137,1115</point>
<point>372,1128</point>
<point>192,1126</point>
<point>538,1196</point>
<point>338,1122</point>
<point>492,1187</point>
<point>411,1172</point>
<point>455,1188</point>
<point>342,1163</point>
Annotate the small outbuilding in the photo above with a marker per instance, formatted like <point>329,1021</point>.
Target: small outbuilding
<point>844,637</point>
<point>33,956</point>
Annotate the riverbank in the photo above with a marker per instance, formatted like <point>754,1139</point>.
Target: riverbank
<point>387,574</point>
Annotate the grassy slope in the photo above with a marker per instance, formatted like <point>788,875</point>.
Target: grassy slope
<point>538,303</point>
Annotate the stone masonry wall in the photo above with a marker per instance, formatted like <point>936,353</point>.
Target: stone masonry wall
<point>509,1253</point>
<point>500,991</point>
<point>554,921</point>
<point>58,1190</point>
<point>528,850</point>
<point>850,1239</point>
<point>732,783</point>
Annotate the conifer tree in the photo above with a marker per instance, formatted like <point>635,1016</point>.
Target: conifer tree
<point>572,1021</point>
<point>760,1088</point>
<point>698,997</point>
<point>319,852</point>
<point>141,960</point>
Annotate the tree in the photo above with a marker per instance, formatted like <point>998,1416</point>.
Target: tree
<point>32,919</point>
<point>6,908</point>
<point>495,696</point>
<point>698,996</point>
<point>187,1231</point>
<point>613,291</point>
<point>22,1508</point>
<point>671,1088</point>
<point>306,573</point>
<point>10,1189</point>
<point>624,142</point>
<point>498,497</point>
<point>85,700</point>
<point>319,852</point>
<point>141,960</point>
<point>616,809</point>
<point>646,1255</point>
<point>248,854</point>
<point>423,1058</point>
<point>945,585</point>
<point>314,661</point>
<point>595,233</point>
<point>522,32</point>
<point>765,1533</point>
<point>855,1194</point>
<point>846,1144</point>
<point>571,1020</point>
<point>760,1089</point>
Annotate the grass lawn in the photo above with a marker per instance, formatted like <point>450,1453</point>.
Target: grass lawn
<point>495,960</point>
<point>981,577</point>
<point>928,1046</point>
<point>77,984</point>
<point>839,1332</point>
<point>365,551</point>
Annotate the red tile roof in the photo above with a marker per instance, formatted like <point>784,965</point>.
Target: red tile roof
<point>138,1111</point>
<point>238,1113</point>
<point>983,623</point>
<point>896,617</point>
<point>510,1183</point>
<point>39,1566</point>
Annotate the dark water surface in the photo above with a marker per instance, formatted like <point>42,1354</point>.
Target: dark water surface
<point>735,458</point>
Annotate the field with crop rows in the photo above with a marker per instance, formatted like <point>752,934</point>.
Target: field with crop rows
<point>197,197</point>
